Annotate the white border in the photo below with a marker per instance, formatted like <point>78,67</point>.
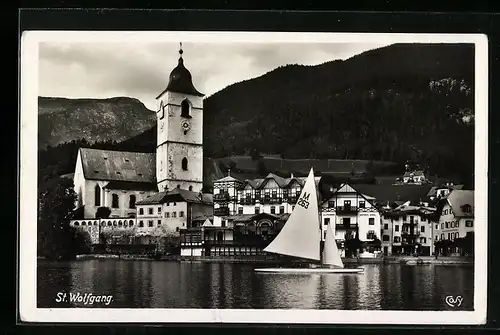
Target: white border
<point>28,183</point>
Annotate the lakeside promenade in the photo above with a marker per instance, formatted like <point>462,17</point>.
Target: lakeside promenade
<point>407,260</point>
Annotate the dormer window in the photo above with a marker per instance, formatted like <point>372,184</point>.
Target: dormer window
<point>185,109</point>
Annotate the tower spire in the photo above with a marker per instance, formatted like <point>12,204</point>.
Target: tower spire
<point>180,50</point>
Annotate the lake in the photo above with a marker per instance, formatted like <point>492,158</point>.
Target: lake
<point>163,284</point>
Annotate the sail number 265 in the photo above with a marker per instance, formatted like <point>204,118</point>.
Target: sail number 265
<point>304,201</point>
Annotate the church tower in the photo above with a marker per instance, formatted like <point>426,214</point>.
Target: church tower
<point>179,150</point>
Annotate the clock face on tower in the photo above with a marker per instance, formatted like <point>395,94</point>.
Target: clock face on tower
<point>185,125</point>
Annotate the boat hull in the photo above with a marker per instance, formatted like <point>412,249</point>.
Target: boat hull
<point>309,270</point>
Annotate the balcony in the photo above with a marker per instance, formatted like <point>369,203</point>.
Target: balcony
<point>345,226</point>
<point>221,211</point>
<point>347,210</point>
<point>410,223</point>
<point>222,197</point>
<point>408,233</point>
<point>292,200</point>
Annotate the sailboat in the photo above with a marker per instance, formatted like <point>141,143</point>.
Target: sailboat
<point>301,237</point>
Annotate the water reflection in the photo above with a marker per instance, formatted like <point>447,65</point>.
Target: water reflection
<point>149,284</point>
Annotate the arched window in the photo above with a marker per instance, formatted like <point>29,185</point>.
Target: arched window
<point>190,188</point>
<point>185,108</point>
<point>178,186</point>
<point>97,195</point>
<point>184,164</point>
<point>114,200</point>
<point>131,201</point>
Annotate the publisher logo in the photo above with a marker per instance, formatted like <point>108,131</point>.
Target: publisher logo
<point>453,301</point>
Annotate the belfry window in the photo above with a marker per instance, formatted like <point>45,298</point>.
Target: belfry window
<point>97,200</point>
<point>185,107</point>
<point>184,164</point>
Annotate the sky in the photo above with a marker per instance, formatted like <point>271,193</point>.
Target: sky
<point>141,70</point>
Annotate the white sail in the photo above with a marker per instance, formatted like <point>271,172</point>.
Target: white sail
<point>331,255</point>
<point>300,236</point>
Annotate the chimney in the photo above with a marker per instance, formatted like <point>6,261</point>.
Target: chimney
<point>229,172</point>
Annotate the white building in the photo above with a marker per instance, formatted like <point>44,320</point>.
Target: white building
<point>350,212</point>
<point>121,180</point>
<point>456,216</point>
<point>407,230</point>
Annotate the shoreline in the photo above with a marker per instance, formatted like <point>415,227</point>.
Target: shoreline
<point>403,260</point>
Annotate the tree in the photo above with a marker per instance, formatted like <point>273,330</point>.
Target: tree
<point>103,213</point>
<point>56,238</point>
<point>261,168</point>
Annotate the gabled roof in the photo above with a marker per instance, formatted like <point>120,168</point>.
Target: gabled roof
<point>391,193</point>
<point>131,185</point>
<point>118,165</point>
<point>458,199</point>
<point>415,173</point>
<point>227,179</point>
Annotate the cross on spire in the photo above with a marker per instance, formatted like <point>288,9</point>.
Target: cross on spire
<point>180,49</point>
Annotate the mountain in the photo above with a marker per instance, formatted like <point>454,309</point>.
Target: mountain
<point>404,102</point>
<point>63,120</point>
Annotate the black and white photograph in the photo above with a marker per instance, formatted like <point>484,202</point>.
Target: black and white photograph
<point>253,177</point>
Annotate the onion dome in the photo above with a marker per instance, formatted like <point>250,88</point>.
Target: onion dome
<point>180,80</point>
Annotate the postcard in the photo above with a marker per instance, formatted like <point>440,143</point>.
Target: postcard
<point>253,177</point>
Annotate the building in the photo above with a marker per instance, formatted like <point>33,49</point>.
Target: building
<point>248,214</point>
<point>125,181</point>
<point>407,230</point>
<point>455,220</point>
<point>351,214</point>
<point>173,210</point>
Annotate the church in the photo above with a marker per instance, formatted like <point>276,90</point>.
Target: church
<point>123,181</point>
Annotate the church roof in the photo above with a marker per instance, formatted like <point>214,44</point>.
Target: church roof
<point>131,185</point>
<point>118,165</point>
<point>180,80</point>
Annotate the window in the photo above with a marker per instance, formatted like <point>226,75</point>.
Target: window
<point>282,209</point>
<point>150,211</point>
<point>150,223</point>
<point>257,210</point>
<point>159,210</point>
<point>346,221</point>
<point>141,211</point>
<point>331,203</point>
<point>423,240</point>
<point>467,208</point>
<point>159,222</point>
<point>114,200</point>
<point>97,194</point>
<point>361,204</point>
<point>273,209</point>
<point>223,223</point>
<point>347,203</point>
<point>397,239</point>
<point>457,224</point>
<point>436,237</point>
<point>371,221</point>
<point>396,227</point>
<point>240,210</point>
<point>385,238</point>
<point>130,223</point>
<point>191,188</point>
<point>185,108</point>
<point>326,221</point>
<point>386,226</point>
<point>184,164</point>
<point>469,223</point>
<point>422,229</point>
<point>442,225</point>
<point>457,235</point>
<point>174,214</point>
<point>175,204</point>
<point>422,219</point>
<point>167,214</point>
<point>168,203</point>
<point>178,186</point>
<point>141,224</point>
<point>442,237</point>
<point>131,201</point>
<point>181,214</point>
<point>437,226</point>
